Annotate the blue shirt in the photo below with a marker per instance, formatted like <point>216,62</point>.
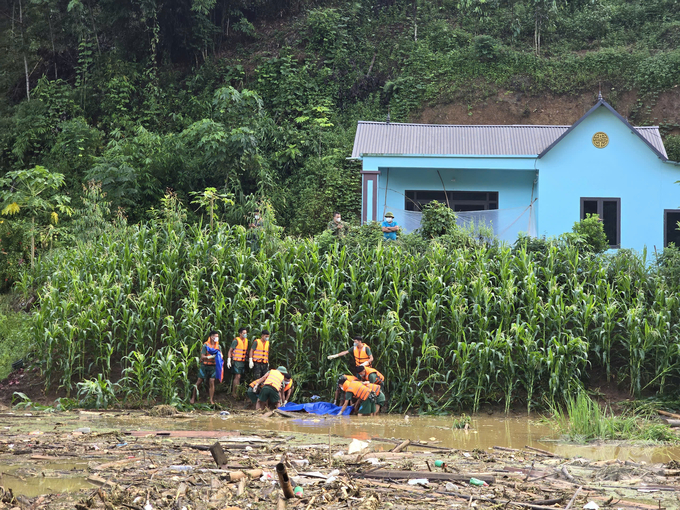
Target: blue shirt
<point>392,236</point>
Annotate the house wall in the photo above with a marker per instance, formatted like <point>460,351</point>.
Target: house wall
<point>626,168</point>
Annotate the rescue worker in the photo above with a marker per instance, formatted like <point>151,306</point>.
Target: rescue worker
<point>253,392</point>
<point>287,391</point>
<point>272,385</point>
<point>339,394</point>
<point>236,358</point>
<point>206,371</point>
<point>361,352</point>
<point>371,375</point>
<point>259,355</point>
<point>361,395</point>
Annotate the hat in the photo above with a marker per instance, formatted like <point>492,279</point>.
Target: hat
<point>389,215</point>
<point>283,370</point>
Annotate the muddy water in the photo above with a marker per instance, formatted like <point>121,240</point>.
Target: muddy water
<point>42,478</point>
<point>486,432</point>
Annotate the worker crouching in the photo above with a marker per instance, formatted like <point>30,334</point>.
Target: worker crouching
<point>362,396</point>
<point>270,388</point>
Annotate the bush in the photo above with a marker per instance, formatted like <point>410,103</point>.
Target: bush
<point>13,252</point>
<point>591,232</point>
<point>672,144</point>
<point>438,220</point>
<point>485,48</point>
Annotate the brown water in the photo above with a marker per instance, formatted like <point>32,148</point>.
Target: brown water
<point>35,479</point>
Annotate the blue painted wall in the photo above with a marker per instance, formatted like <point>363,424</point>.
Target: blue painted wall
<point>626,169</point>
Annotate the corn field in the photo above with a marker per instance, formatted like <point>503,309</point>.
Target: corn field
<point>449,328</point>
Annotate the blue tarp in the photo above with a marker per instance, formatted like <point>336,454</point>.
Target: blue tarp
<point>317,408</point>
<point>219,362</point>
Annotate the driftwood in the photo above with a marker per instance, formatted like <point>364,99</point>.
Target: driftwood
<point>117,463</point>
<point>567,475</point>
<point>672,422</point>
<point>242,475</point>
<point>504,449</point>
<point>408,475</point>
<point>401,446</point>
<point>544,452</point>
<point>670,415</point>
<point>218,454</point>
<point>286,414</point>
<point>284,481</point>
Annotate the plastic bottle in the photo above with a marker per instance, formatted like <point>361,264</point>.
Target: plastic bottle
<point>478,482</point>
<point>439,463</point>
<point>298,491</point>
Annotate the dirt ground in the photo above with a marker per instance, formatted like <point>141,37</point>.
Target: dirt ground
<point>69,460</point>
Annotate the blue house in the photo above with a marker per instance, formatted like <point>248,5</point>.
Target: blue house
<point>533,179</point>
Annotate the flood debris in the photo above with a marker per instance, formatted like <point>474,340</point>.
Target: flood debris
<point>193,471</point>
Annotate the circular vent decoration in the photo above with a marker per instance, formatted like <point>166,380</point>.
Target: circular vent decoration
<point>600,140</point>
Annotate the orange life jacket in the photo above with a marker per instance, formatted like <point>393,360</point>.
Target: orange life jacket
<point>288,385</point>
<point>261,351</point>
<point>359,390</point>
<point>360,355</point>
<point>274,379</point>
<point>215,345</point>
<point>241,349</point>
<point>375,388</point>
<point>252,384</point>
<point>368,371</point>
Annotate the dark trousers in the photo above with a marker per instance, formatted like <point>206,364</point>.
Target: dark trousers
<point>259,369</point>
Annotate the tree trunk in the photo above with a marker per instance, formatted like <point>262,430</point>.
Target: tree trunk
<point>23,49</point>
<point>54,51</point>
<point>32,241</point>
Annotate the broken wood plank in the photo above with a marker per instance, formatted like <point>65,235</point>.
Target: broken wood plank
<point>116,463</point>
<point>43,457</point>
<point>98,480</point>
<point>672,422</point>
<point>503,448</point>
<point>408,475</point>
<point>209,434</point>
<point>218,454</point>
<point>286,414</point>
<point>670,415</point>
<point>544,452</point>
<point>401,446</point>
<point>235,476</point>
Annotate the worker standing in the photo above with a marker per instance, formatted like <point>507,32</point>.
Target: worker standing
<point>236,358</point>
<point>361,352</point>
<point>208,369</point>
<point>259,355</point>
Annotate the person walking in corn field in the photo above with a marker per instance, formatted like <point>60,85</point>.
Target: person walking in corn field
<point>236,358</point>
<point>362,396</point>
<point>272,387</point>
<point>259,355</point>
<point>372,376</point>
<point>361,352</point>
<point>338,227</point>
<point>208,369</point>
<point>390,227</point>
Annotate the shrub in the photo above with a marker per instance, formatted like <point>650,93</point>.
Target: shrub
<point>591,231</point>
<point>438,220</point>
<point>485,48</point>
<point>672,144</point>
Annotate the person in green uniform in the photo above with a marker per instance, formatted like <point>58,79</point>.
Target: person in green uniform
<point>206,371</point>
<point>236,358</point>
<point>371,375</point>
<point>271,387</point>
<point>338,227</point>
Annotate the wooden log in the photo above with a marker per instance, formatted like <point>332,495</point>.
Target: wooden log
<point>208,434</point>
<point>284,481</point>
<point>504,449</point>
<point>544,452</point>
<point>671,472</point>
<point>43,457</point>
<point>567,474</point>
<point>235,476</point>
<point>116,463</point>
<point>401,446</point>
<point>98,480</point>
<point>218,454</point>
<point>408,475</point>
<point>670,415</point>
<point>286,414</point>
<point>672,422</point>
<point>573,498</point>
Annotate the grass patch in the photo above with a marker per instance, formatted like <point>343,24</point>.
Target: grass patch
<point>584,420</point>
<point>15,340</point>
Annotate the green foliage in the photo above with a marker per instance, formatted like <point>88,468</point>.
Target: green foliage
<point>485,48</point>
<point>672,144</point>
<point>14,334</point>
<point>584,420</point>
<point>591,232</point>
<point>438,219</point>
<point>96,393</point>
<point>450,326</point>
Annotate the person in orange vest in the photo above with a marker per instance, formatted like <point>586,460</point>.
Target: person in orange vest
<point>236,358</point>
<point>271,387</point>
<point>361,352</point>
<point>371,375</point>
<point>361,395</point>
<point>206,371</point>
<point>287,391</point>
<point>253,392</point>
<point>339,394</point>
<point>259,355</point>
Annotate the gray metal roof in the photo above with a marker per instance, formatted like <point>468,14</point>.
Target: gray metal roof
<point>440,140</point>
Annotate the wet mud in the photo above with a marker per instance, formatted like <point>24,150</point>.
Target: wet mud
<point>131,460</point>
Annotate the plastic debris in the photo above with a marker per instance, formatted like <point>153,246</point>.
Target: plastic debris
<point>451,486</point>
<point>300,463</point>
<point>225,413</point>
<point>356,446</point>
<point>478,482</point>
<point>84,430</point>
<point>315,397</point>
<point>181,468</point>
<point>339,454</point>
<point>466,455</point>
<point>298,491</point>
<point>120,445</point>
<point>267,476</point>
<point>591,505</point>
<point>418,481</point>
<point>439,463</point>
<point>374,462</point>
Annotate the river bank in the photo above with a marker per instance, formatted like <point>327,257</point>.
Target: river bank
<point>122,459</point>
